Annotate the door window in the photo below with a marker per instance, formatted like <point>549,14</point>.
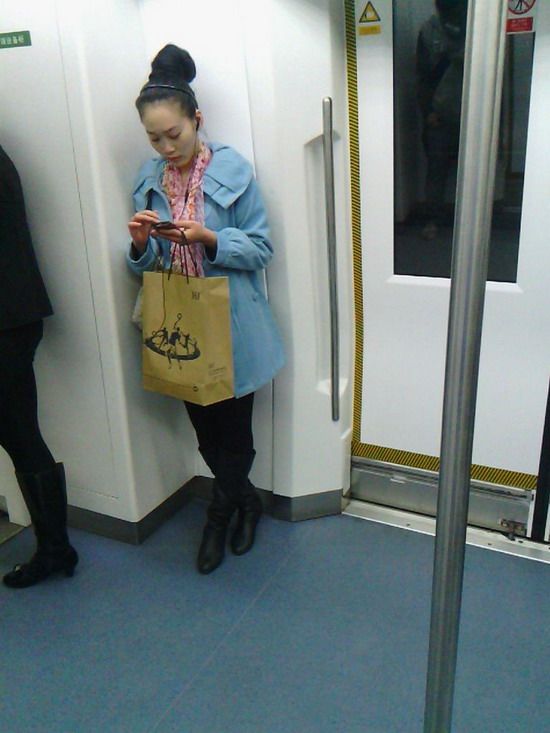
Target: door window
<point>428,72</point>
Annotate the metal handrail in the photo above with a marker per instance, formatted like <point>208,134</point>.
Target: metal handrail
<point>330,207</point>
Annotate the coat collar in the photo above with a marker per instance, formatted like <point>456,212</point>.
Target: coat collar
<point>225,179</point>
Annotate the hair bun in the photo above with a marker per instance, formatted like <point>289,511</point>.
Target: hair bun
<point>173,63</point>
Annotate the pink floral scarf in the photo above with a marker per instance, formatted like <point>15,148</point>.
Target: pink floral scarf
<point>187,202</point>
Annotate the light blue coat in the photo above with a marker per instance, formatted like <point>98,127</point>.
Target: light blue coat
<point>234,210</point>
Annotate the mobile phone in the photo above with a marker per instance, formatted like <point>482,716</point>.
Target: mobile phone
<point>164,225</point>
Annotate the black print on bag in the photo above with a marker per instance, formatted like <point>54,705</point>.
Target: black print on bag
<point>175,345</point>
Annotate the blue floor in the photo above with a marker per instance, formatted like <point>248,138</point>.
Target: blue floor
<point>322,627</point>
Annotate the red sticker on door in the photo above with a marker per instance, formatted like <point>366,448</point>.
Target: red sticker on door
<point>521,16</point>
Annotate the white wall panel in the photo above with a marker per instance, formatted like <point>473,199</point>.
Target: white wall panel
<point>150,435</point>
<point>295,57</point>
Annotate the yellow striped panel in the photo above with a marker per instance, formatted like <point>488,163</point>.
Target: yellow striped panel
<point>353,115</point>
<point>503,477</point>
<point>499,476</point>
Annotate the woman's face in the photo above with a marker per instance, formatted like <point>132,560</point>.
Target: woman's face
<point>171,133</point>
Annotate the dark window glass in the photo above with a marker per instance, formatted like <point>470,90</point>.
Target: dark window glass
<point>428,68</point>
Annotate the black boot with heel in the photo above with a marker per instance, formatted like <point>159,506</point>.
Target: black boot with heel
<point>249,512</point>
<point>231,490</point>
<point>212,549</point>
<point>45,495</point>
<point>233,470</point>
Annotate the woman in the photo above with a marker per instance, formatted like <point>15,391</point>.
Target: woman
<point>209,192</point>
<point>23,305</point>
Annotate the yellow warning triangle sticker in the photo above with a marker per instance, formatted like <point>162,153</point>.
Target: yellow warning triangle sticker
<point>370,14</point>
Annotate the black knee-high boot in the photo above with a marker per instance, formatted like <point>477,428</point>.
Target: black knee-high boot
<point>233,470</point>
<point>45,495</point>
<point>219,513</point>
<point>250,511</point>
<point>210,456</point>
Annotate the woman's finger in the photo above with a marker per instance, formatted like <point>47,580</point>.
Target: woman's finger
<point>146,216</point>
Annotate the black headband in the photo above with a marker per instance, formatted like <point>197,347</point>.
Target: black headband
<point>189,92</point>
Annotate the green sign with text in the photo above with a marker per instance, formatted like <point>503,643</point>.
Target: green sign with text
<point>15,39</point>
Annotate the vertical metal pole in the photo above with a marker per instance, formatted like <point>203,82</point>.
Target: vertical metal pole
<point>483,68</point>
<point>328,157</point>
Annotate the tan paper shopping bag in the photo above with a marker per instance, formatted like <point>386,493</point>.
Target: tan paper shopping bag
<point>187,337</point>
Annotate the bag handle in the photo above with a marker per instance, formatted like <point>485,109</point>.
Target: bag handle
<point>183,246</point>
<point>149,206</point>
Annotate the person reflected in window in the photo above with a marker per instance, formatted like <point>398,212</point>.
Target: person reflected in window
<point>440,70</point>
<point>23,305</point>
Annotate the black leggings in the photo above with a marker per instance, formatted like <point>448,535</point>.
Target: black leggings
<point>19,431</point>
<point>226,424</point>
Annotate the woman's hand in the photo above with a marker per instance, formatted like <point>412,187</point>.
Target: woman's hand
<point>195,232</point>
<point>139,227</point>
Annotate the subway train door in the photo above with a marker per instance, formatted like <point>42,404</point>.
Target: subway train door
<point>404,103</point>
